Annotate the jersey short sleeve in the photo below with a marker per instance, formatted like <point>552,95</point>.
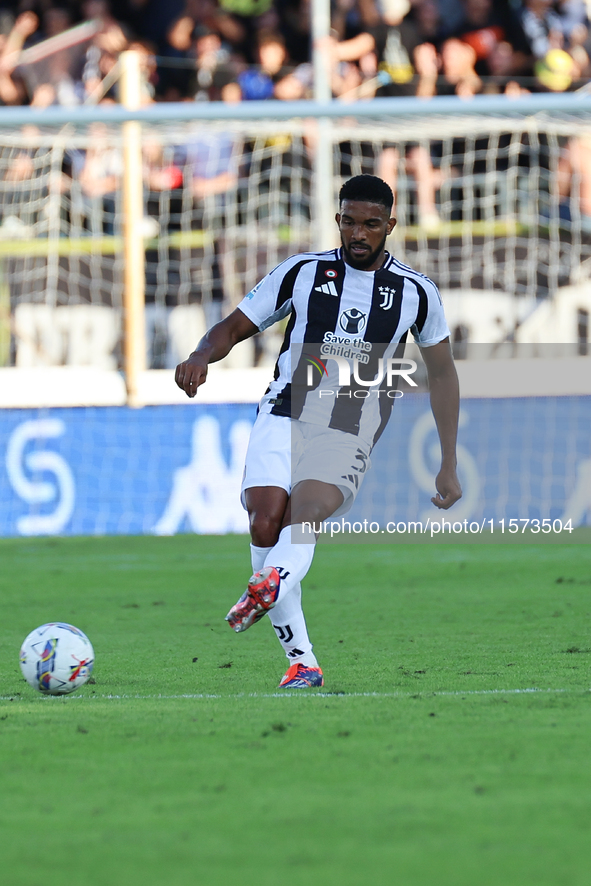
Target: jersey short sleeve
<point>431,326</point>
<point>271,299</point>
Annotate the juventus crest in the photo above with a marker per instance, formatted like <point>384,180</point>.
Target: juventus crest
<point>388,297</point>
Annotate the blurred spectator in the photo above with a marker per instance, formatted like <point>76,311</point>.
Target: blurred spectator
<point>573,18</point>
<point>580,50</point>
<point>427,64</point>
<point>52,67</point>
<point>102,54</point>
<point>148,68</point>
<point>26,185</point>
<point>99,10</point>
<point>259,84</point>
<point>56,20</point>
<point>458,61</point>
<point>19,206</point>
<point>347,81</point>
<point>214,67</point>
<point>294,25</point>
<point>20,168</point>
<point>485,26</point>
<point>299,84</point>
<point>196,63</point>
<point>210,161</point>
<point>209,14</point>
<point>396,38</point>
<point>428,21</point>
<point>418,164</point>
<point>451,14</point>
<point>574,180</point>
<point>12,89</point>
<point>174,69</point>
<point>152,19</point>
<point>61,70</point>
<point>231,93</point>
<point>385,49</point>
<point>542,26</point>
<point>99,174</point>
<point>163,180</point>
<point>556,35</point>
<point>252,17</point>
<point>161,174</point>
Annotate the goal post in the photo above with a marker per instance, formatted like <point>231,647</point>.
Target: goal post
<point>134,349</point>
<point>324,170</point>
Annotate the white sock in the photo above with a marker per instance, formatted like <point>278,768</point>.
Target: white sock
<point>292,561</point>
<point>258,556</point>
<point>287,616</point>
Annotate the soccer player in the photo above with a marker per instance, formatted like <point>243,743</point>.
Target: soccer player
<point>311,442</point>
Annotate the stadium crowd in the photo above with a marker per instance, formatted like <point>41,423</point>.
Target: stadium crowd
<point>240,50</point>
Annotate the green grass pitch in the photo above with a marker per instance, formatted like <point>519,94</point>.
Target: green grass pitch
<point>423,762</point>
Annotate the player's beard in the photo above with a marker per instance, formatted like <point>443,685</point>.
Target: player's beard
<point>363,263</point>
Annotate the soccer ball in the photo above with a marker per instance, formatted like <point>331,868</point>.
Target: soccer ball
<point>56,659</point>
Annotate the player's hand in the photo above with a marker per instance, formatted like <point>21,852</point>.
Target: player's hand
<point>448,487</point>
<point>191,373</point>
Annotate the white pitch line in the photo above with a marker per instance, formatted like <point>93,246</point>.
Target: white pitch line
<point>255,695</point>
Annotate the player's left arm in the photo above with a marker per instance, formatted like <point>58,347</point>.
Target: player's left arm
<point>445,403</point>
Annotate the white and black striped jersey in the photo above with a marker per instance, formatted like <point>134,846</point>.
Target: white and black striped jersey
<point>335,311</point>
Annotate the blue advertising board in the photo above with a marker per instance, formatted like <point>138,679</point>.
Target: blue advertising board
<point>168,469</point>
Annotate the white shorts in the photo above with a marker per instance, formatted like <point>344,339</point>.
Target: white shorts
<point>282,452</point>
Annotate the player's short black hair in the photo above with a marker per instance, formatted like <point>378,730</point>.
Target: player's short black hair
<point>368,189</point>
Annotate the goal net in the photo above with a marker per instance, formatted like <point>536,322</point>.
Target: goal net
<point>497,210</point>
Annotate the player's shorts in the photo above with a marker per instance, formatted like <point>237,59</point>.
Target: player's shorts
<point>282,452</point>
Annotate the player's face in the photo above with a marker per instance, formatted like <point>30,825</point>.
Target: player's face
<point>364,228</point>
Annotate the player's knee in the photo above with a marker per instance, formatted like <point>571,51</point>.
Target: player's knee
<point>264,529</point>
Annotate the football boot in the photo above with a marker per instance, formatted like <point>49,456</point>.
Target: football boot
<point>299,676</point>
<point>260,596</point>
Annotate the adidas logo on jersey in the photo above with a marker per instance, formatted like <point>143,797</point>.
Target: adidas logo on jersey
<point>327,288</point>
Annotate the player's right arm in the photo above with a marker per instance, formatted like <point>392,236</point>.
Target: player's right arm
<point>215,345</point>
<point>267,302</point>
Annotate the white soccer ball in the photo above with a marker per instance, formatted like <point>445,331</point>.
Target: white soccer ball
<point>56,658</point>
